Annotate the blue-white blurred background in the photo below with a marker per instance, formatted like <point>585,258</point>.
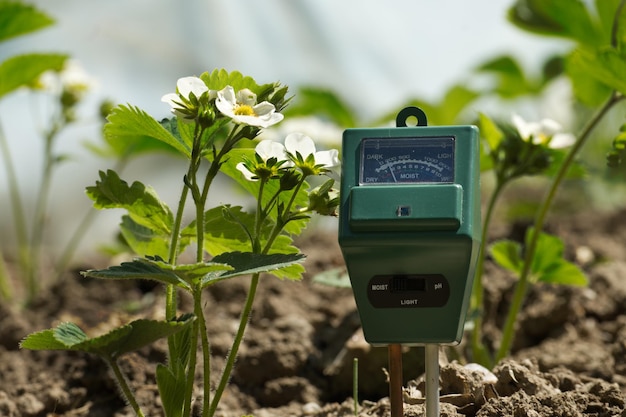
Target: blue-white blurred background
<point>375,54</point>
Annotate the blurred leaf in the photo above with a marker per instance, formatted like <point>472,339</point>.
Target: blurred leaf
<point>129,129</point>
<point>549,250</point>
<point>549,265</point>
<point>18,19</point>
<point>445,112</point>
<point>139,333</point>
<point>507,254</point>
<point>489,131</point>
<point>564,273</point>
<point>335,277</point>
<point>317,101</point>
<point>607,10</point>
<point>511,80</point>
<point>141,202</point>
<point>606,65</point>
<point>587,88</point>
<point>552,67</point>
<point>563,18</point>
<point>24,70</point>
<point>491,137</point>
<point>576,171</point>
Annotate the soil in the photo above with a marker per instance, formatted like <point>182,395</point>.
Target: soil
<point>569,357</point>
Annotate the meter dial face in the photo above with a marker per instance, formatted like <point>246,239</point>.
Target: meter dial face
<point>407,160</point>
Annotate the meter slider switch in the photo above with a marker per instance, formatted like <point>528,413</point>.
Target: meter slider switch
<point>401,283</point>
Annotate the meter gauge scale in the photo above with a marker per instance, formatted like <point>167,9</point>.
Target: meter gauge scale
<point>409,160</point>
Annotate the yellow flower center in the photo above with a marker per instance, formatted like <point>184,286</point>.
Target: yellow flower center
<point>244,110</point>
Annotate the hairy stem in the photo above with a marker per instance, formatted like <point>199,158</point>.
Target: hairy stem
<point>121,382</point>
<point>522,284</point>
<point>232,355</point>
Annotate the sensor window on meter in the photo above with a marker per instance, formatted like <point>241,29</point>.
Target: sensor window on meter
<point>409,160</point>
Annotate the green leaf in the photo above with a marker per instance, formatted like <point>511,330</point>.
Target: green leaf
<point>129,127</point>
<point>563,18</point>
<point>549,251</point>
<point>606,10</point>
<point>132,336</point>
<point>564,273</point>
<point>302,199</point>
<point>335,277</point>
<point>24,70</point>
<point>315,101</point>
<point>507,254</point>
<point>18,19</point>
<point>196,272</point>
<point>138,269</point>
<point>143,240</point>
<point>218,79</point>
<point>511,80</point>
<point>142,203</point>
<point>171,390</point>
<point>588,89</point>
<point>445,112</point>
<point>222,232</point>
<point>606,65</point>
<point>69,334</point>
<point>490,132</point>
<point>135,335</point>
<point>284,244</point>
<point>46,339</point>
<point>247,263</point>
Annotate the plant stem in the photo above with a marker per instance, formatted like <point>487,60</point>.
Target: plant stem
<point>121,381</point>
<point>21,231</point>
<point>479,350</point>
<point>79,233</point>
<point>232,355</point>
<point>5,288</point>
<point>191,370</point>
<point>522,284</point>
<point>40,212</point>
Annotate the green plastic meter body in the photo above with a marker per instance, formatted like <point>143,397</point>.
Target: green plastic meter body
<point>409,229</point>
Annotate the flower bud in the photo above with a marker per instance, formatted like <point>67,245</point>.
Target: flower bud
<point>324,199</point>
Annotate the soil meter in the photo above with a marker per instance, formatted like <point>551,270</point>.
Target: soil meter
<point>409,228</point>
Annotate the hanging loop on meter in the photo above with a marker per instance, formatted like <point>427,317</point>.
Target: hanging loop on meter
<point>412,111</point>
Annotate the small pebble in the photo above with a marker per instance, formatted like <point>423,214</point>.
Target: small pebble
<point>488,376</point>
<point>311,408</point>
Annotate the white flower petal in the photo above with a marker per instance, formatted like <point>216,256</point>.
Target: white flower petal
<point>188,85</point>
<point>267,149</point>
<point>299,142</point>
<point>562,140</point>
<point>247,174</point>
<point>246,97</point>
<point>226,101</point>
<point>550,127</point>
<point>328,159</point>
<point>170,99</point>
